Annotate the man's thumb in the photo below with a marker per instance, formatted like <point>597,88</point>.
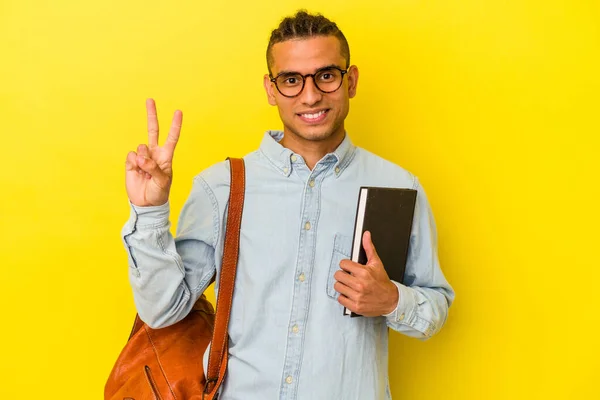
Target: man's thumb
<point>369,247</point>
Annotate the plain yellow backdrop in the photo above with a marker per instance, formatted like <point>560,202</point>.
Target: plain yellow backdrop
<point>493,104</point>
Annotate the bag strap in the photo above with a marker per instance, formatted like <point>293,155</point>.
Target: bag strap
<point>217,359</point>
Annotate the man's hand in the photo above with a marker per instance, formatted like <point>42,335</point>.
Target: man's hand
<point>149,173</point>
<point>366,289</point>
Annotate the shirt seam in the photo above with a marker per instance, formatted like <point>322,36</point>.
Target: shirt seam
<point>348,159</point>
<point>415,182</point>
<point>169,253</point>
<point>215,209</point>
<point>127,242</point>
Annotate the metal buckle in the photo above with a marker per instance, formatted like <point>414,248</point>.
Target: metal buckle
<point>208,382</point>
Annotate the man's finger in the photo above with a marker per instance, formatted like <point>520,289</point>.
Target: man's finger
<point>150,167</point>
<point>346,302</point>
<point>345,278</point>
<point>174,132</point>
<point>345,290</point>
<point>348,285</point>
<point>351,267</point>
<point>130,162</point>
<point>152,123</point>
<point>143,150</point>
<point>372,257</point>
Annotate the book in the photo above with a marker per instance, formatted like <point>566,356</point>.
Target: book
<point>388,214</point>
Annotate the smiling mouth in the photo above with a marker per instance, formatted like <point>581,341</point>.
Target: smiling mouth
<point>314,117</point>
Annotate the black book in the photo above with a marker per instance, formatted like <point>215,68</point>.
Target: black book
<point>388,214</point>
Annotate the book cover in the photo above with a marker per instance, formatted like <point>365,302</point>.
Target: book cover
<point>388,214</point>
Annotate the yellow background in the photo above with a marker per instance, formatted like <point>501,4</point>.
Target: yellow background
<point>493,104</point>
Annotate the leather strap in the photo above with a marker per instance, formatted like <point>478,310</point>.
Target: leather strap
<point>217,359</point>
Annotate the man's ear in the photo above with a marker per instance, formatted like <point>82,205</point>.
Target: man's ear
<point>269,89</point>
<point>352,80</point>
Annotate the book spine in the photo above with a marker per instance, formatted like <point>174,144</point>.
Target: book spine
<point>358,231</point>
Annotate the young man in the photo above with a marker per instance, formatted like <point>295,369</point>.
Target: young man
<point>289,338</point>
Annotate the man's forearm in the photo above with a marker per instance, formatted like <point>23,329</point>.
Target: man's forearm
<point>156,271</point>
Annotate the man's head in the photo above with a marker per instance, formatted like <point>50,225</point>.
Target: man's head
<point>304,26</point>
<point>311,107</point>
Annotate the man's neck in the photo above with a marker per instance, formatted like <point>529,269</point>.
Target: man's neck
<point>312,151</point>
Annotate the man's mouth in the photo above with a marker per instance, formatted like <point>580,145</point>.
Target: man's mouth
<point>314,117</point>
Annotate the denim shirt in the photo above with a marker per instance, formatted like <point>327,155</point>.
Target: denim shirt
<point>289,338</point>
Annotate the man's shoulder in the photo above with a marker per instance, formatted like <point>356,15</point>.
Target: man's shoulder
<point>215,174</point>
<point>377,165</point>
<point>218,175</point>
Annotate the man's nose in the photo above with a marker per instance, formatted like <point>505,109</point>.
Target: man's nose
<point>310,94</point>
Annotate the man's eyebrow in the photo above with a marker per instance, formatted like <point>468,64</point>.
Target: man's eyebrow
<point>286,72</point>
<point>327,67</point>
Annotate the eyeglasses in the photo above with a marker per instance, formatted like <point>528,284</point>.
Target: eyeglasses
<point>327,80</point>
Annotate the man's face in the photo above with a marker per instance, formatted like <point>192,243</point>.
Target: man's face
<point>306,56</point>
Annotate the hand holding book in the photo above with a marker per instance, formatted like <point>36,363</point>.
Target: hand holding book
<point>387,214</point>
<point>366,289</point>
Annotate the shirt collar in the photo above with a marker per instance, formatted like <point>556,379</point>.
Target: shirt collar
<point>281,157</point>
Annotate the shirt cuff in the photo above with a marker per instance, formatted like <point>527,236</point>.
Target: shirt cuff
<point>150,216</point>
<point>406,305</point>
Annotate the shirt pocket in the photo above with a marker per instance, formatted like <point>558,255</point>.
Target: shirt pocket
<point>342,247</point>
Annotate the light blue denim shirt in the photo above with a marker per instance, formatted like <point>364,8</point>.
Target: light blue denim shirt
<point>289,338</point>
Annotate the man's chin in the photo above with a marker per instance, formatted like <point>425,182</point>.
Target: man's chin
<point>316,134</point>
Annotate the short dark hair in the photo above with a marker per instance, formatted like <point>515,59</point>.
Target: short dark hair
<point>302,26</point>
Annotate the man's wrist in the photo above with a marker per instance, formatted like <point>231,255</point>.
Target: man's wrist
<point>395,299</point>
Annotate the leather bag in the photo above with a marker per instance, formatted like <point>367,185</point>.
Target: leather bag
<point>166,363</point>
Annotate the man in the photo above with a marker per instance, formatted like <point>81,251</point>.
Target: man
<point>289,338</point>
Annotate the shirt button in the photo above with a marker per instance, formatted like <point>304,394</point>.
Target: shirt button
<point>337,170</point>
<point>295,329</point>
<point>401,317</point>
<point>294,158</point>
<point>285,170</point>
<point>136,273</point>
<point>301,277</point>
<point>288,379</point>
<point>307,226</point>
<point>311,183</point>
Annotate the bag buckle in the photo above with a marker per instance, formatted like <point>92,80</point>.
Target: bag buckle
<point>210,381</point>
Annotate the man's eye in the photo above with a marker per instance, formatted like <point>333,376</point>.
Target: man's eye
<point>327,76</point>
<point>290,81</point>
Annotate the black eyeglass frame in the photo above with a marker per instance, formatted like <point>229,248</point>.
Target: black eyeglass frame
<point>342,71</point>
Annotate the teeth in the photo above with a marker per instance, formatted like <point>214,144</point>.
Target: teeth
<point>313,116</point>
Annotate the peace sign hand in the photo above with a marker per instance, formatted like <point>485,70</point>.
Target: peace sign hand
<point>149,173</point>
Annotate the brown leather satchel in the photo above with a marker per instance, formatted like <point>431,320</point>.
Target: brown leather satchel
<point>166,363</point>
